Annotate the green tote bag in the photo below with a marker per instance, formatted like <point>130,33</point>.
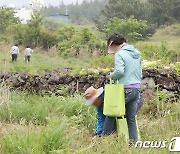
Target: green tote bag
<point>122,128</point>
<point>114,100</point>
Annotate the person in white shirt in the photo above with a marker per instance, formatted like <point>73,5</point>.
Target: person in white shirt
<point>14,52</point>
<point>27,54</point>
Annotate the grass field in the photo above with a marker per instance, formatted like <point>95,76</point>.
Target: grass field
<point>41,61</point>
<point>168,34</point>
<point>32,124</point>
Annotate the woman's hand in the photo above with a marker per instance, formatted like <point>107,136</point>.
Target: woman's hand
<point>111,70</point>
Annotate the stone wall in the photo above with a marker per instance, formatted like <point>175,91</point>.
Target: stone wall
<point>52,82</point>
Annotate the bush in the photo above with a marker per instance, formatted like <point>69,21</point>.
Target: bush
<point>48,39</point>
<point>154,52</point>
<point>104,61</point>
<point>131,28</point>
<point>73,39</point>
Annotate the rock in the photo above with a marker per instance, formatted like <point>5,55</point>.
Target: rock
<point>51,81</point>
<point>167,72</point>
<point>83,79</point>
<point>54,80</point>
<point>150,73</point>
<point>177,79</point>
<point>148,83</point>
<point>148,93</point>
<point>166,83</point>
<point>68,79</point>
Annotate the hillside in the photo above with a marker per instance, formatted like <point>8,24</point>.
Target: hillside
<point>169,34</point>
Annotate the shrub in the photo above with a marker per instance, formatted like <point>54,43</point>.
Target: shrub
<point>131,28</point>
<point>104,61</point>
<point>48,39</point>
<point>72,39</point>
<point>154,52</point>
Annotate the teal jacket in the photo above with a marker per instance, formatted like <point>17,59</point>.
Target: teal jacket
<point>128,67</point>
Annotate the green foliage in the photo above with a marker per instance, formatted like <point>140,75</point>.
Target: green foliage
<point>154,52</point>
<point>158,12</point>
<point>7,19</point>
<point>20,34</point>
<point>104,61</point>
<point>47,38</point>
<point>154,56</point>
<point>26,108</point>
<point>23,108</point>
<point>123,9</point>
<point>73,39</point>
<point>44,140</point>
<point>29,34</point>
<point>164,11</point>
<point>41,62</point>
<point>51,24</point>
<point>128,27</point>
<point>65,130</point>
<point>35,34</point>
<point>160,105</point>
<point>127,7</point>
<point>32,36</point>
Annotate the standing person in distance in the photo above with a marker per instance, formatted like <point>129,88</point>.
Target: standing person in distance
<point>14,52</point>
<point>27,54</point>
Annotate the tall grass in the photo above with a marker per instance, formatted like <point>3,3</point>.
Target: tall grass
<point>33,140</point>
<point>32,124</point>
<point>24,107</point>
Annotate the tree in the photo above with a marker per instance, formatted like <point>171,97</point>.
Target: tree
<point>131,27</point>
<point>33,29</point>
<point>72,39</point>
<point>48,39</point>
<point>51,24</point>
<point>123,9</point>
<point>165,11</point>
<point>30,33</point>
<point>7,19</point>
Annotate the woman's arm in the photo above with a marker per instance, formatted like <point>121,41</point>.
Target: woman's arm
<point>119,67</point>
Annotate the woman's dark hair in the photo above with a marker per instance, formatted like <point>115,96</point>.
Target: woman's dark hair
<point>28,46</point>
<point>116,39</point>
<point>16,45</point>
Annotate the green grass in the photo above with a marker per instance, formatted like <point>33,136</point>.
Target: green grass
<point>24,108</point>
<point>168,34</point>
<point>164,45</point>
<point>152,49</point>
<point>32,124</point>
<point>40,63</point>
